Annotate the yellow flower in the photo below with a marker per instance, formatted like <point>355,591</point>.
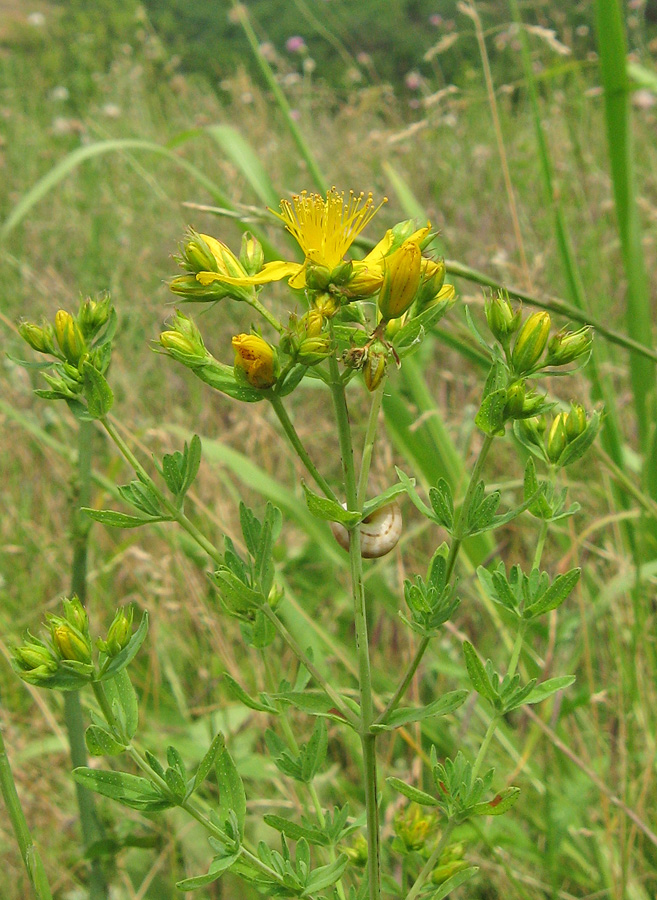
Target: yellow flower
<point>255,359</point>
<point>324,228</point>
<point>401,279</point>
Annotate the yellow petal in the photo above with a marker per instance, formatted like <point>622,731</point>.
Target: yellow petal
<point>272,271</point>
<point>376,254</point>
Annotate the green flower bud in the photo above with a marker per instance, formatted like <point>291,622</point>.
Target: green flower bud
<point>375,366</point>
<point>119,633</point>
<point>318,277</point>
<point>566,346</point>
<point>184,342</point>
<point>326,304</point>
<point>342,272</point>
<point>193,291</point>
<point>530,342</point>
<point>412,827</point>
<point>314,350</point>
<point>69,337</point>
<point>357,853</point>
<point>92,315</point>
<point>39,338</point>
<point>196,255</point>
<point>515,401</point>
<point>275,596</point>
<point>533,428</point>
<point>501,318</point>
<point>76,614</point>
<point>35,659</point>
<point>557,438</point>
<point>252,256</point>
<point>576,422</point>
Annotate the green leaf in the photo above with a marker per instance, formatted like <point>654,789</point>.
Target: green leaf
<point>130,790</point>
<point>441,707</point>
<point>193,461</point>
<point>413,793</point>
<point>490,418</point>
<point>118,519</point>
<point>208,761</point>
<point>317,704</point>
<point>555,595</point>
<point>325,876</point>
<point>240,694</point>
<point>409,335</point>
<point>101,743</point>
<point>547,688</point>
<point>294,831</point>
<point>125,656</point>
<point>577,448</point>
<point>231,790</point>
<point>323,508</point>
<point>477,673</point>
<point>123,702</point>
<point>315,752</point>
<point>384,499</point>
<point>218,866</point>
<point>97,392</point>
<point>498,805</point>
<point>443,503</point>
<point>409,485</point>
<point>237,596</point>
<point>452,883</point>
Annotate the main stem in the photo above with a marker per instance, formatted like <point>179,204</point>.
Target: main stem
<point>73,718</point>
<point>368,740</point>
<point>451,560</point>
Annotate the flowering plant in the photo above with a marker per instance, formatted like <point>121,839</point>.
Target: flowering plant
<point>361,317</point>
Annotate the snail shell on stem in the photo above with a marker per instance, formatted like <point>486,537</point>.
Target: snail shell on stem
<point>379,532</point>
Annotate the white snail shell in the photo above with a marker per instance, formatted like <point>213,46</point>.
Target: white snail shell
<point>379,532</point>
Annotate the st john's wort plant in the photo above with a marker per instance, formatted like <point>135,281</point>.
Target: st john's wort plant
<point>351,320</point>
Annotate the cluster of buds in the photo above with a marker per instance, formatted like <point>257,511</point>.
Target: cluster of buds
<point>73,341</point>
<point>532,338</point>
<point>562,441</point>
<point>413,829</point>
<point>201,253</point>
<point>65,660</point>
<point>306,340</point>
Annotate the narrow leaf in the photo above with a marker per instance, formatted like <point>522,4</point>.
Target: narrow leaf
<point>413,793</point>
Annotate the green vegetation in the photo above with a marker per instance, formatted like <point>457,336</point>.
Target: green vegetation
<point>109,150</point>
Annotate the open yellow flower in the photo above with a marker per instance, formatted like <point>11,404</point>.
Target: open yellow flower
<point>324,228</point>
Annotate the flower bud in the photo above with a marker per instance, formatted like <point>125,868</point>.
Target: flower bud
<point>530,342</point>
<point>401,279</point>
<point>310,325</point>
<point>275,596</point>
<point>35,660</point>
<point>93,314</point>
<point>39,338</point>
<point>357,853</point>
<point>119,633</point>
<point>364,282</point>
<point>252,256</point>
<point>318,277</point>
<point>533,428</point>
<point>184,342</point>
<point>412,827</point>
<point>69,642</point>
<point>256,360</point>
<point>342,272</point>
<point>501,318</point>
<point>576,422</point>
<point>190,289</point>
<point>69,337</point>
<point>557,438</point>
<point>326,304</point>
<point>566,346</point>
<point>197,256</point>
<point>313,350</point>
<point>515,400</point>
<point>375,366</point>
<point>425,300</point>
<point>76,614</point>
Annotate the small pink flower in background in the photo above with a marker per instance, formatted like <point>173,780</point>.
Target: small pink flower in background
<point>295,44</point>
<point>436,20</point>
<point>413,81</point>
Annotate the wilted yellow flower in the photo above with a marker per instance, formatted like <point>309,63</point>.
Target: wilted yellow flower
<point>256,359</point>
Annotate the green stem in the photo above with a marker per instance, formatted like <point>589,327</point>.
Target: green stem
<point>368,740</point>
<point>27,847</point>
<point>280,98</point>
<point>368,446</point>
<point>430,864</point>
<point>73,718</point>
<point>314,671</point>
<point>175,514</point>
<point>295,440</point>
<point>490,731</point>
<point>517,648</point>
<point>264,312</point>
<point>540,544</point>
<point>451,560</point>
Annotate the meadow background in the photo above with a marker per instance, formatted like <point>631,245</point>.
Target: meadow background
<point>121,124</point>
